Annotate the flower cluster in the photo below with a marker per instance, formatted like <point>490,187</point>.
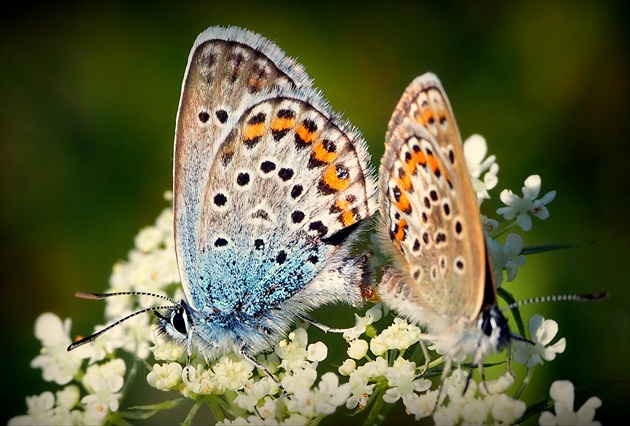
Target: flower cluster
<point>254,397</point>
<point>384,364</point>
<point>389,372</point>
<point>506,256</point>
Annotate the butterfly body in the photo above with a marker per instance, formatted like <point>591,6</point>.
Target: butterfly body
<point>269,188</point>
<point>440,276</point>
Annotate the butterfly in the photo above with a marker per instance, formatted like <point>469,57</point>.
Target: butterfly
<point>270,188</point>
<point>441,276</point>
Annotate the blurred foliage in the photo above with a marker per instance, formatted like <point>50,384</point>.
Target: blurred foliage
<point>89,92</point>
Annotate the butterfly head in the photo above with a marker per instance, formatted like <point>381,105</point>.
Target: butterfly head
<point>494,333</point>
<point>176,325</point>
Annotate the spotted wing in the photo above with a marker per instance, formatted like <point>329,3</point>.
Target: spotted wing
<point>226,66</point>
<point>290,185</point>
<point>429,210</point>
<point>272,194</point>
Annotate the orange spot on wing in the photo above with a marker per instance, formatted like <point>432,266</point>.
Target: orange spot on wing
<point>410,165</point>
<point>254,131</point>
<point>403,203</point>
<point>434,165</point>
<point>304,134</point>
<point>425,117</point>
<point>404,182</point>
<point>342,204</point>
<point>400,230</point>
<point>280,123</point>
<point>348,218</point>
<point>320,153</point>
<point>333,181</point>
<point>420,158</point>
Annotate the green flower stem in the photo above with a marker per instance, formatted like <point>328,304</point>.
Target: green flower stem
<point>193,411</point>
<point>524,383</point>
<point>502,229</point>
<point>380,409</point>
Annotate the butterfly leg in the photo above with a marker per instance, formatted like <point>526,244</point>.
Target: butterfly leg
<point>427,357</point>
<point>244,352</point>
<point>469,378</point>
<point>447,369</point>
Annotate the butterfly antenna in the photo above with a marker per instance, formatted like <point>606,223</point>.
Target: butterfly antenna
<point>99,296</point>
<point>558,298</point>
<point>96,335</point>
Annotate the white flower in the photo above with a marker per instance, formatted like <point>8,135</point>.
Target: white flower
<point>506,257</point>
<point>475,149</point>
<point>103,381</point>
<point>400,335</point>
<point>420,406</point>
<point>497,386</point>
<point>504,409</point>
<point>542,332</point>
<point>455,385</point>
<point>232,373</point>
<point>521,208</point>
<point>297,419</point>
<point>106,343</point>
<point>197,380</point>
<point>57,364</point>
<point>378,347</point>
<point>165,376</point>
<point>255,392</point>
<point>63,416</point>
<point>371,316</point>
<point>300,378</point>
<point>293,351</point>
<point>271,361</point>
<point>562,392</point>
<point>358,348</point>
<point>323,400</point>
<point>347,368</point>
<point>68,397</point>
<point>359,381</point>
<point>163,350</point>
<point>316,352</point>
<point>256,420</point>
<point>268,410</point>
<point>149,239</point>
<point>40,410</point>
<point>474,412</point>
<point>401,378</point>
<point>476,405</point>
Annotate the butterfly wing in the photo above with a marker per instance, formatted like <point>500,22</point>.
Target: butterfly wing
<point>226,66</point>
<point>282,203</point>
<point>266,201</point>
<point>429,211</point>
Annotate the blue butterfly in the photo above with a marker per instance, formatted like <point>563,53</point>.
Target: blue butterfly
<point>270,189</point>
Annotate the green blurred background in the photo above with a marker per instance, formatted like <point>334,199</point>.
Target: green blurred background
<point>88,102</point>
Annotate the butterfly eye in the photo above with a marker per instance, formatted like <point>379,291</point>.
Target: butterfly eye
<point>179,321</point>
